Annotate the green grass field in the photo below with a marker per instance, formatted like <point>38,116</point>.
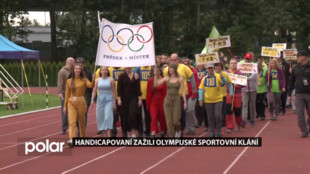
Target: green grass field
<point>38,103</point>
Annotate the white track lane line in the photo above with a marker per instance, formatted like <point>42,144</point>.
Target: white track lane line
<point>40,137</point>
<point>170,155</point>
<point>30,159</point>
<point>100,157</point>
<point>39,117</point>
<point>244,150</point>
<point>30,112</point>
<point>30,128</point>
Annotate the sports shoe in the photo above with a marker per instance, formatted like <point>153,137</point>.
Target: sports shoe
<point>212,134</point>
<point>207,129</point>
<point>219,133</point>
<point>229,130</point>
<point>239,128</point>
<point>304,135</point>
<point>178,134</point>
<point>70,143</point>
<point>63,132</point>
<point>99,132</point>
<point>252,123</point>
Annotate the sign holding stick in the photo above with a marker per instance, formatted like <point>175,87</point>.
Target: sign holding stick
<point>247,67</point>
<point>238,79</point>
<point>290,54</point>
<point>270,52</point>
<point>232,102</point>
<point>219,42</point>
<point>205,58</point>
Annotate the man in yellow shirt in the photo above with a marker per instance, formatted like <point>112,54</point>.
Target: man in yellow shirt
<point>186,73</point>
<point>144,73</point>
<point>210,95</point>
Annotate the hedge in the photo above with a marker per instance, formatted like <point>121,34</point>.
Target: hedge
<point>31,67</point>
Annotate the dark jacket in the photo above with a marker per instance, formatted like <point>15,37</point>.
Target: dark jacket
<point>298,74</point>
<point>286,71</point>
<point>280,77</point>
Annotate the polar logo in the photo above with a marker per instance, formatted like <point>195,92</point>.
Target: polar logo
<point>43,147</point>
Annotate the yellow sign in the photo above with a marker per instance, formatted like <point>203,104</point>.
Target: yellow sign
<point>205,58</point>
<point>238,79</point>
<point>247,67</point>
<point>219,42</point>
<point>270,52</point>
<point>290,54</point>
<point>281,46</point>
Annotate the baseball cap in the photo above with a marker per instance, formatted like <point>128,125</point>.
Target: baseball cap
<point>248,56</point>
<point>210,65</point>
<point>301,53</point>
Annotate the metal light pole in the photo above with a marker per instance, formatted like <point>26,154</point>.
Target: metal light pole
<point>22,73</point>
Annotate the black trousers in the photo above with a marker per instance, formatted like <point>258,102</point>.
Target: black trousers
<point>201,114</point>
<point>147,119</point>
<point>116,114</point>
<point>283,101</point>
<point>260,104</point>
<point>130,115</point>
<point>183,114</point>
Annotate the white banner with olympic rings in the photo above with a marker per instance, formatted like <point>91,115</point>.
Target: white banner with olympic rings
<point>124,45</point>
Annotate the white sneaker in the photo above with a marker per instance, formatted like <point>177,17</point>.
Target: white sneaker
<point>178,134</point>
<point>70,143</point>
<point>133,136</point>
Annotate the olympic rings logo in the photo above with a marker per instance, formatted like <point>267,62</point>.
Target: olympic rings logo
<point>121,40</point>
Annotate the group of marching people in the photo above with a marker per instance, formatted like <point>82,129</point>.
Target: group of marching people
<point>173,96</point>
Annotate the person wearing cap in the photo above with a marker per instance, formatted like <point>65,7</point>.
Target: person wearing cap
<point>285,67</point>
<point>249,93</point>
<point>210,96</point>
<point>301,78</point>
<point>186,74</point>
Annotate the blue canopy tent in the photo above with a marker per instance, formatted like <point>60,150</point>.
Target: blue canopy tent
<point>12,51</point>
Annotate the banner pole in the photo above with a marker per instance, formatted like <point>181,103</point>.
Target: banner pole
<point>231,54</point>
<point>269,71</point>
<point>232,102</point>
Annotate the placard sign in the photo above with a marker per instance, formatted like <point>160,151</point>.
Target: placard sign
<point>218,42</point>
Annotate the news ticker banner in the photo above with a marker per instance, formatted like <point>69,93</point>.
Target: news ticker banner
<point>238,79</point>
<point>247,67</point>
<point>218,42</point>
<point>290,54</point>
<point>202,59</point>
<point>124,45</point>
<point>270,52</point>
<point>168,142</point>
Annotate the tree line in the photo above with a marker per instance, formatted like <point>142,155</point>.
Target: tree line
<point>179,25</point>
